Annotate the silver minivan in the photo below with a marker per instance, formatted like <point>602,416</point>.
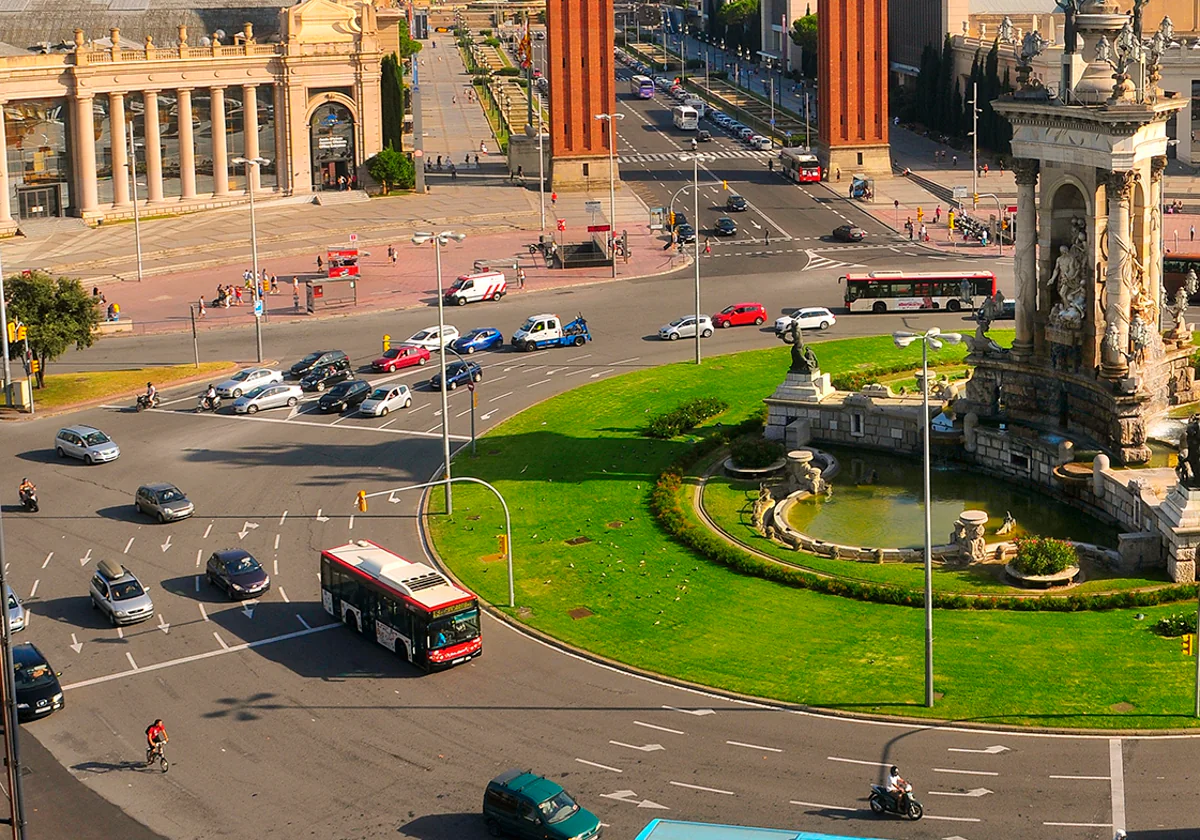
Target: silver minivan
<point>86,443</point>
<point>16,612</point>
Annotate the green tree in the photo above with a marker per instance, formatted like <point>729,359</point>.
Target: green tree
<point>58,313</point>
<point>407,46</point>
<point>391,98</point>
<point>804,35</point>
<point>945,117</point>
<point>392,169</point>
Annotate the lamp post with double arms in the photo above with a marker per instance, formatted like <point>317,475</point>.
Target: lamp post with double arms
<point>612,185</point>
<point>695,159</point>
<point>439,240</point>
<point>258,303</point>
<point>931,339</point>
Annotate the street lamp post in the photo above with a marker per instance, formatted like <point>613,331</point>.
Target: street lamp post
<point>438,240</point>
<point>612,184</point>
<point>541,169</point>
<point>933,338</point>
<point>258,301</point>
<point>137,220</point>
<point>695,159</point>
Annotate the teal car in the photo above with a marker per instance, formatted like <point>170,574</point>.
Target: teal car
<point>519,803</point>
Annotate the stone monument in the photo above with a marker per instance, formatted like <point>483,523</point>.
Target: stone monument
<point>804,381</point>
<point>1089,359</point>
<point>1180,510</point>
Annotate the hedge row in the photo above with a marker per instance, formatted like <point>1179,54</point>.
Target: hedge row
<point>685,417</point>
<point>856,380</point>
<point>667,504</point>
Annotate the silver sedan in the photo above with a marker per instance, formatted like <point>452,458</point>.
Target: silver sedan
<point>276,395</point>
<point>247,380</point>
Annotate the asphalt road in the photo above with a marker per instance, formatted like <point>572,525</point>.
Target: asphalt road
<point>286,726</point>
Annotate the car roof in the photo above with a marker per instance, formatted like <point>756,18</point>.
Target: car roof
<point>79,430</point>
<point>162,485</point>
<point>748,303</point>
<point>226,554</point>
<point>538,788</point>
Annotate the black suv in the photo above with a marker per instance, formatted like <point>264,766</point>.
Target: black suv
<point>322,377</point>
<point>735,203</point>
<point>345,396</point>
<point>319,359</point>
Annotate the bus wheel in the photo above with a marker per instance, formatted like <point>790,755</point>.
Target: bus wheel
<point>954,306</point>
<point>879,306</point>
<point>351,621</point>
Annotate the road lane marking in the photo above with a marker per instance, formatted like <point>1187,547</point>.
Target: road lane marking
<point>577,372</point>
<point>502,396</point>
<point>577,358</point>
<point>351,522</point>
<point>308,626</point>
<point>203,612</point>
<point>821,806</point>
<point>1085,778</point>
<point>46,562</point>
<point>659,728</point>
<point>256,418</point>
<point>696,712</point>
<point>965,772</point>
<point>132,664</point>
<point>1116,769</point>
<point>127,545</point>
<point>952,819</point>
<point>625,361</point>
<point>753,746</point>
<point>856,761</point>
<point>120,632</point>
<point>1077,825</point>
<point>706,789</point>
<point>197,583</point>
<point>220,641</point>
<point>282,518</point>
<point>277,544</point>
<point>642,748</point>
<point>199,554</point>
<point>284,596</point>
<point>207,530</point>
<point>33,591</point>
<point>601,766</point>
<point>276,570</point>
<point>543,382</point>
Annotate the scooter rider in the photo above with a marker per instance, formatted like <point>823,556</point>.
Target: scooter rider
<point>26,488</point>
<point>896,785</point>
<point>210,397</point>
<point>151,394</point>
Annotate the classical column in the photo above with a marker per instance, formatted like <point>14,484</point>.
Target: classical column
<point>220,153</point>
<point>250,133</point>
<point>85,145</point>
<point>187,147</point>
<point>154,183</point>
<point>5,208</point>
<point>1154,246</point>
<point>1025,261</point>
<point>1115,344</point>
<point>120,149</point>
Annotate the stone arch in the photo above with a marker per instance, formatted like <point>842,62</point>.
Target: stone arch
<point>334,139</point>
<point>317,100</point>
<point>1065,200</point>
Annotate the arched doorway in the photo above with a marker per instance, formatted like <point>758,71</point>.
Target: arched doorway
<point>331,138</point>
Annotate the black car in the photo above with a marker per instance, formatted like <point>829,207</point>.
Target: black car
<point>725,226</point>
<point>323,377</point>
<point>238,573</point>
<point>321,358</point>
<point>849,233</point>
<point>704,135</point>
<point>457,373</point>
<point>735,203</point>
<point>681,219</point>
<point>38,691</point>
<point>685,233</point>
<point>344,396</point>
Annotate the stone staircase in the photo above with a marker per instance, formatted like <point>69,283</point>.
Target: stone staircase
<point>327,198</point>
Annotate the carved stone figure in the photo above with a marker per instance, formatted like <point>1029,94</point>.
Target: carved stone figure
<point>762,505</point>
<point>1068,280</point>
<point>804,360</point>
<point>1008,525</point>
<point>1188,467</point>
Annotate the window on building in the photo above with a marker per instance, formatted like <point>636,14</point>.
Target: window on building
<point>586,172</point>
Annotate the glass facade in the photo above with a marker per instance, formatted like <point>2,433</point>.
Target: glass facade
<point>331,133</point>
<point>102,109</point>
<point>39,164</point>
<point>202,132</point>
<point>269,177</point>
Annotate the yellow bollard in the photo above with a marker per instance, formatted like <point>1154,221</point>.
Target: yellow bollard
<point>387,343</point>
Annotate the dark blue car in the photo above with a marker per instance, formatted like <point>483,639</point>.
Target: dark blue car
<point>457,373</point>
<point>484,338</point>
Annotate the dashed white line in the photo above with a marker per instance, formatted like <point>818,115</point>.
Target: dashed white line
<point>601,766</point>
<point>284,596</point>
<point>120,632</point>
<point>46,562</point>
<point>822,806</point>
<point>197,583</point>
<point>276,570</point>
<point>207,530</point>
<point>1084,778</point>
<point>856,761</point>
<point>753,747</point>
<point>659,728</point>
<point>577,372</point>
<point>1077,825</point>
<point>705,789</point>
<point>543,382</point>
<point>282,518</point>
<point>952,819</point>
<point>390,422</point>
<point>203,612</point>
<point>577,358</point>
<point>502,396</point>
<point>625,361</point>
<point>965,772</point>
<point>307,626</point>
<point>1116,769</point>
<point>199,554</point>
<point>220,641</point>
<point>277,542</point>
<point>132,664</point>
<point>33,591</point>
<point>352,522</point>
<point>127,545</point>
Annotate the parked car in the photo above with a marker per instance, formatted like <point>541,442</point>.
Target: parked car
<point>87,443</point>
<point>37,688</point>
<point>402,356</point>
<point>524,805</point>
<point>384,399</point>
<point>849,233</point>
<point>165,502</point>
<point>685,233</point>
<point>345,395</point>
<point>809,318</point>
<point>735,203</point>
<point>323,377</point>
<point>739,314</point>
<point>238,573</point>
<point>248,379</point>
<point>117,593</point>
<point>320,358</point>
<point>16,612</point>
<point>483,338</point>
<point>457,373</point>
<point>725,226</point>
<point>685,327</point>
<point>275,395</point>
<point>744,134</point>
<point>761,143</point>
<point>431,339</point>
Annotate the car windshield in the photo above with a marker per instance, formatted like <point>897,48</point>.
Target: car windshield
<point>423,335</point>
<point>95,438</point>
<point>455,629</point>
<point>310,358</point>
<point>392,353</point>
<point>171,494</point>
<point>340,390</point>
<point>455,369</point>
<point>12,601</point>
<point>679,322</point>
<point>379,394</point>
<point>126,589</point>
<point>256,392</point>
<point>728,309</point>
<point>528,325</point>
<point>557,808</point>
<point>33,676</point>
<point>241,376</point>
<point>478,334</point>
<point>241,565</point>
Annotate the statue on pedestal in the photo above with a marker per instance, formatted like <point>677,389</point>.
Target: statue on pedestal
<point>804,360</point>
<point>1068,280</point>
<point>1187,468</point>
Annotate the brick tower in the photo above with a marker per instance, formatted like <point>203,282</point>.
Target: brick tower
<point>852,54</point>
<point>579,44</point>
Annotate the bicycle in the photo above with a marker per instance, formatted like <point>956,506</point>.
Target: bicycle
<point>158,751</point>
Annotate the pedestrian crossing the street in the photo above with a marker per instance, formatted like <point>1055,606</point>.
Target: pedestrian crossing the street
<point>658,157</point>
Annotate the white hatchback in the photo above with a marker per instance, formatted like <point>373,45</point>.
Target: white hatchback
<point>384,399</point>
<point>809,318</point>
<point>685,327</point>
<point>430,339</point>
<point>248,380</point>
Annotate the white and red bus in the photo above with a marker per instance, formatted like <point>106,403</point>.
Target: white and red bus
<point>905,291</point>
<point>409,608</point>
<point>800,165</point>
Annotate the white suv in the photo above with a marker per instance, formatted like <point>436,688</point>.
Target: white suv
<point>809,318</point>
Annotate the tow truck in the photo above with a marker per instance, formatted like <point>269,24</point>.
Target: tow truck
<point>541,331</point>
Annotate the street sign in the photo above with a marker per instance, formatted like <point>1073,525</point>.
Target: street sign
<point>562,224</point>
<point>418,153</point>
<point>258,308</point>
<point>599,228</point>
<point>960,192</point>
<point>592,206</point>
<point>354,237</point>
<point>1011,209</point>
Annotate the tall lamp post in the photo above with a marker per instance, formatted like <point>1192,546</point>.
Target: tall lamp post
<point>931,339</point>
<point>439,240</point>
<point>258,302</point>
<point>137,219</point>
<point>695,159</point>
<point>612,184</point>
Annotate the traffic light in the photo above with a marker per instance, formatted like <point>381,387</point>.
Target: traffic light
<point>725,185</point>
<point>672,218</point>
<point>503,544</point>
<point>1189,645</point>
<point>361,501</point>
<point>975,197</point>
<point>12,331</point>
<point>22,332</point>
<point>920,214</point>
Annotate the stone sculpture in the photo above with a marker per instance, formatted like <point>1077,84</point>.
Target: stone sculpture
<point>1187,469</point>
<point>1068,280</point>
<point>1009,524</point>
<point>762,505</point>
<point>804,360</point>
<point>968,537</point>
<point>1179,313</point>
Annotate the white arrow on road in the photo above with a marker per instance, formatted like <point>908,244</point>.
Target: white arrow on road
<point>248,608</point>
<point>246,529</point>
<point>632,798</point>
<point>321,518</point>
<point>83,561</point>
<point>162,624</point>
<point>392,498</point>
<point>166,545</point>
<point>601,373</point>
<point>76,645</point>
<point>487,416</point>
<point>696,712</point>
<point>975,794</point>
<point>645,748</point>
<point>989,751</point>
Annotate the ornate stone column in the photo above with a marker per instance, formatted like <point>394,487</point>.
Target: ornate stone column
<point>1154,247</point>
<point>5,208</point>
<point>1025,261</point>
<point>1115,344</point>
<point>154,182</point>
<point>85,145</point>
<point>187,147</point>
<point>220,152</point>
<point>120,149</point>
<point>250,133</point>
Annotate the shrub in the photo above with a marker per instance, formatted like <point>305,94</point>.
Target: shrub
<point>755,452</point>
<point>508,71</point>
<point>492,42</point>
<point>485,32</point>
<point>1044,556</point>
<point>1175,624</point>
<point>685,417</point>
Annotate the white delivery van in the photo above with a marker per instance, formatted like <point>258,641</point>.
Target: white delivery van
<point>486,285</point>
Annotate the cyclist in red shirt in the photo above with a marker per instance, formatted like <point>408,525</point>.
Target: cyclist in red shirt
<point>156,734</point>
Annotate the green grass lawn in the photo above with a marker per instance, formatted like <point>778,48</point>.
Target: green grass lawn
<point>575,468</point>
<point>66,389</point>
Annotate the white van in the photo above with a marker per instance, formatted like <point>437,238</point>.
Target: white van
<point>486,285</point>
<point>699,104</point>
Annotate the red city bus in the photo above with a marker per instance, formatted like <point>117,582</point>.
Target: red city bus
<point>342,262</point>
<point>1176,265</point>
<point>409,608</point>
<point>800,165</point>
<point>893,291</point>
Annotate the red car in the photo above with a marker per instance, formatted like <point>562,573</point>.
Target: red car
<point>740,313</point>
<point>400,357</point>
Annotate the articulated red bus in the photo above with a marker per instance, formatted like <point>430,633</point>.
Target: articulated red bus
<point>894,291</point>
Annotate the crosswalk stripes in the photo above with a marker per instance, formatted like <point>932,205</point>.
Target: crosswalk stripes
<point>658,157</point>
<point>816,261</point>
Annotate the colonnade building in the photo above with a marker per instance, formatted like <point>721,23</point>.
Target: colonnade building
<point>303,95</point>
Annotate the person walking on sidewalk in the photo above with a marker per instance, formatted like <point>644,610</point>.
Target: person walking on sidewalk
<point>320,263</point>
<point>956,161</point>
<point>453,172</point>
<point>520,278</point>
<point>1192,234</point>
<point>908,226</point>
<point>521,173</point>
<point>937,215</point>
<point>923,234</point>
<point>201,311</point>
<point>237,296</point>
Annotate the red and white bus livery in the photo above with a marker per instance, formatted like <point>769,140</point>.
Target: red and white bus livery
<point>900,291</point>
<point>800,165</point>
<point>409,608</point>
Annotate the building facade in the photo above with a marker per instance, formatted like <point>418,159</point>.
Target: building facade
<point>74,119</point>
<point>852,90</point>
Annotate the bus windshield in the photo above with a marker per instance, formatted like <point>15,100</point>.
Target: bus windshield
<point>454,629</point>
